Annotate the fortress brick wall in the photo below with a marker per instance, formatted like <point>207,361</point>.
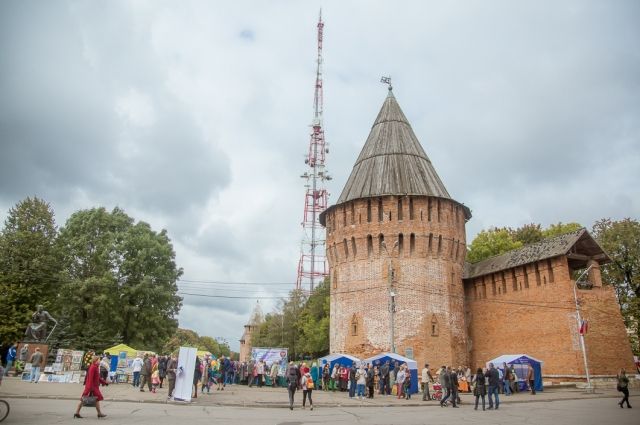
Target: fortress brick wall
<point>427,277</point>
<point>531,309</point>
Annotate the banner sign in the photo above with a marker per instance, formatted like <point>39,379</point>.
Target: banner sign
<point>270,355</point>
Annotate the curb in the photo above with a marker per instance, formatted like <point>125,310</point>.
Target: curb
<point>278,405</point>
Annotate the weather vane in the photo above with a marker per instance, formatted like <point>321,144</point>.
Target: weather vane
<point>386,80</point>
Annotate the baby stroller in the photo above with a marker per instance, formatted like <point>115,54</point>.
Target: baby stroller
<point>437,392</point>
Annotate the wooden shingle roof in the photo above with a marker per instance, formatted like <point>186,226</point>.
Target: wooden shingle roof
<point>579,242</point>
<point>392,162</point>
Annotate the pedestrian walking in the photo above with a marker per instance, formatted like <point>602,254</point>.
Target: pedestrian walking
<point>623,387</point>
<point>352,380</point>
<point>361,382</point>
<point>384,379</point>
<point>326,377</point>
<point>445,383</point>
<point>307,389</point>
<point>92,388</point>
<point>479,388</point>
<point>406,386</point>
<point>453,383</point>
<point>400,377</point>
<point>11,357</point>
<point>293,381</point>
<point>197,375</point>
<point>162,368</point>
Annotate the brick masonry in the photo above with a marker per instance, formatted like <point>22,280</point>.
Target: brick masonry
<point>441,318</point>
<point>427,265</point>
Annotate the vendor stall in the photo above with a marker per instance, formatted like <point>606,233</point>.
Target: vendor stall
<point>521,363</point>
<point>393,357</point>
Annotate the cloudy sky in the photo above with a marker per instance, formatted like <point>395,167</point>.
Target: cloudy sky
<point>194,116</point>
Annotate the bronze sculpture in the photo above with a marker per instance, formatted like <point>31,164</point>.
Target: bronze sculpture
<point>37,329</point>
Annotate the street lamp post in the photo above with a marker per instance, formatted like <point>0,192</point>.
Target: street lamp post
<point>579,322</point>
<point>392,296</point>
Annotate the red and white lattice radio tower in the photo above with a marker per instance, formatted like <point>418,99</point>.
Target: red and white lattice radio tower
<point>312,267</point>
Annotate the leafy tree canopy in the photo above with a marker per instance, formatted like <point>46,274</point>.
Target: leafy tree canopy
<point>30,265</point>
<point>496,241</point>
<point>621,241</point>
<point>300,323</point>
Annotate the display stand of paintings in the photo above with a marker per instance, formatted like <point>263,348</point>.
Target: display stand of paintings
<point>66,367</point>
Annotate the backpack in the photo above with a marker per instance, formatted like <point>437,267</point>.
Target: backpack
<point>310,384</point>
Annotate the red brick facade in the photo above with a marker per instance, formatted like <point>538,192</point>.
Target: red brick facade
<point>427,280</point>
<point>531,309</point>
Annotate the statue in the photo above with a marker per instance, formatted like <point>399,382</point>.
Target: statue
<point>37,329</point>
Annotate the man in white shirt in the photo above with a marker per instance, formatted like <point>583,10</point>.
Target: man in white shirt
<point>137,367</point>
<point>426,378</point>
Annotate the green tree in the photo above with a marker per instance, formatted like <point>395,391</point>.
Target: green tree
<point>30,265</point>
<point>300,323</point>
<point>527,234</point>
<point>621,241</point>
<point>560,229</point>
<point>489,243</point>
<point>181,338</point>
<point>120,281</point>
<point>314,322</point>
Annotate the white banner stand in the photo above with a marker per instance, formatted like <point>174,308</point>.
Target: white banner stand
<point>184,374</point>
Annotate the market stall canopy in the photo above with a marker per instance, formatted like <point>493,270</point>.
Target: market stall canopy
<point>116,349</point>
<point>380,359</point>
<point>339,358</point>
<point>521,360</point>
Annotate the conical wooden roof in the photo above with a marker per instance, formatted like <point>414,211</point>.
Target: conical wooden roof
<point>392,161</point>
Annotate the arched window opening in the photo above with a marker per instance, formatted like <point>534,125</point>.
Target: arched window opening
<point>368,210</point>
<point>346,249</point>
<point>353,212</point>
<point>354,326</point>
<point>411,213</point>
<point>380,212</point>
<point>412,244</point>
<point>380,243</point>
<point>434,325</point>
<point>400,215</point>
<point>369,246</point>
<point>400,244</point>
<point>353,247</point>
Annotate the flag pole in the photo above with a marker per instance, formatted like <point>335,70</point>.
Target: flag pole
<point>579,321</point>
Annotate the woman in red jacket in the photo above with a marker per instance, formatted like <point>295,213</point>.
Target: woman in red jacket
<point>92,386</point>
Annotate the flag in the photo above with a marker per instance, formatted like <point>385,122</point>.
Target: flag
<point>584,327</point>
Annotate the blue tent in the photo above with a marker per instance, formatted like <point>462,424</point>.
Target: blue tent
<point>339,358</point>
<point>380,359</point>
<point>521,364</point>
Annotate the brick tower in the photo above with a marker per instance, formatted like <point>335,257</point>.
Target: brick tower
<point>396,249</point>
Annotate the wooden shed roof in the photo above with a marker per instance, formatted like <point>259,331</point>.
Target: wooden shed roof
<point>578,246</point>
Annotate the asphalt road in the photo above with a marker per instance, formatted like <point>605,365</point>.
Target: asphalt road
<point>579,412</point>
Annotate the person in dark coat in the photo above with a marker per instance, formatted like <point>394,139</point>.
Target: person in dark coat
<point>479,388</point>
<point>453,383</point>
<point>293,382</point>
<point>352,380</point>
<point>623,387</point>
<point>145,373</point>
<point>92,387</point>
<point>384,379</point>
<point>162,368</point>
<point>494,383</point>
<point>445,382</point>
<point>197,375</point>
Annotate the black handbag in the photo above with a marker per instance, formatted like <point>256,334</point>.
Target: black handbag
<point>89,400</point>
